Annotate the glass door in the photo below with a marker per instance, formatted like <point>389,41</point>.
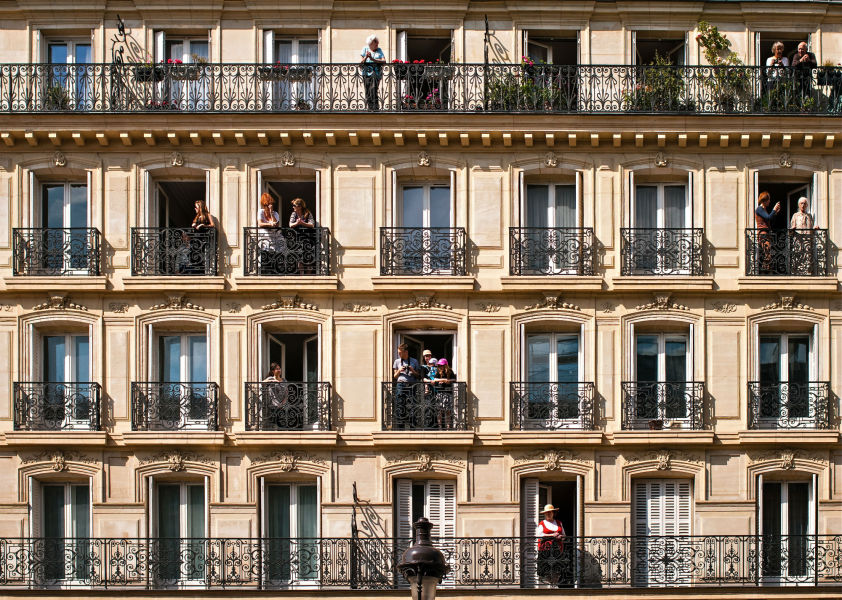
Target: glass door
<point>661,369</point>
<point>67,396</point>
<point>189,84</point>
<point>553,365</point>
<point>428,246</point>
<point>659,211</point>
<point>184,390</point>
<point>784,379</point>
<point>181,532</point>
<point>311,378</point>
<point>66,529</point>
<point>786,526</point>
<point>550,209</point>
<point>295,87</point>
<point>65,216</point>
<point>70,83</point>
<point>291,533</point>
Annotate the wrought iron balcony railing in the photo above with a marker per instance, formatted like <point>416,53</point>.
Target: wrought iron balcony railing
<point>423,251</point>
<point>661,251</point>
<point>789,405</point>
<point>291,564</point>
<point>551,250</point>
<point>663,405</point>
<point>407,88</point>
<point>792,252</point>
<point>287,251</point>
<point>288,406</point>
<point>51,251</point>
<point>45,406</point>
<point>552,405</point>
<point>417,406</point>
<point>179,251</point>
<point>164,406</point>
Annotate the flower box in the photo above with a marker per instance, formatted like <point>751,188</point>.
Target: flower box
<point>272,72</point>
<point>439,72</point>
<point>184,72</point>
<point>148,73</point>
<point>299,73</point>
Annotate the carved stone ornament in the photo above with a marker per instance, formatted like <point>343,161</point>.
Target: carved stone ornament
<point>58,459</point>
<point>357,308</point>
<point>787,302</point>
<point>551,458</point>
<point>59,302</point>
<point>661,160</point>
<point>59,159</point>
<point>289,302</point>
<point>661,302</point>
<point>724,307</point>
<point>177,159</point>
<point>233,307</point>
<point>423,159</point>
<point>664,458</point>
<point>425,302</point>
<point>606,307</point>
<point>118,307</point>
<point>550,159</point>
<point>287,460</point>
<point>425,462</point>
<point>287,159</point>
<point>489,307</point>
<point>551,301</point>
<point>785,160</point>
<point>175,459</point>
<point>424,459</point>
<point>179,302</point>
<point>785,458</point>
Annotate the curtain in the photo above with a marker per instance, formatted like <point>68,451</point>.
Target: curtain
<point>675,207</point>
<point>412,207</point>
<point>536,205</point>
<point>538,358</point>
<point>440,206</point>
<point>646,206</point>
<point>565,206</point>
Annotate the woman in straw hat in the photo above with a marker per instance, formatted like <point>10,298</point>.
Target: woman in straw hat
<point>550,534</point>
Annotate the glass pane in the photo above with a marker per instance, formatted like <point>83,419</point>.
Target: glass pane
<point>771,528</point>
<point>308,51</point>
<point>283,51</point>
<point>198,358</point>
<point>440,206</point>
<point>83,53</point>
<point>770,359</point>
<point>798,520</point>
<point>278,517</point>
<point>81,351</point>
<point>53,206</point>
<point>196,511</point>
<point>308,514</point>
<point>676,359</point>
<point>419,503</point>
<point>169,521</point>
<point>175,50</point>
<point>675,206</point>
<point>537,209</point>
<point>567,351</point>
<point>565,206</point>
<point>647,358</point>
<point>538,54</point>
<point>312,350</point>
<point>646,206</point>
<point>798,359</point>
<point>53,496</point>
<point>538,358</point>
<point>78,205</point>
<point>80,511</point>
<point>55,353</point>
<point>199,50</point>
<point>57,53</point>
<point>412,209</point>
<point>170,358</point>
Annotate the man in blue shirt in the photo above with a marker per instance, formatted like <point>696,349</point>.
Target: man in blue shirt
<point>373,57</point>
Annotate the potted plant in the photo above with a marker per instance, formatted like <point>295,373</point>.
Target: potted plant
<point>180,71</point>
<point>656,424</point>
<point>274,72</point>
<point>829,74</point>
<point>301,103</point>
<point>400,68</point>
<point>408,102</point>
<point>660,87</point>
<point>149,72</point>
<point>56,98</point>
<point>729,83</point>
<point>299,72</point>
<point>439,70</point>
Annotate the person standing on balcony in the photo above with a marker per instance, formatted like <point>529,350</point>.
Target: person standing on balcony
<point>763,224</point>
<point>443,382</point>
<point>203,247</point>
<point>302,222</point>
<point>803,63</point>
<point>776,63</point>
<point>373,57</point>
<point>550,534</point>
<point>406,372</point>
<point>276,410</point>
<point>802,239</point>
<point>269,239</point>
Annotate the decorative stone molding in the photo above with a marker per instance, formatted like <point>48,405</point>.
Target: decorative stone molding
<point>289,302</point>
<point>785,160</point>
<point>175,459</point>
<point>551,458</point>
<point>357,308</point>
<point>233,307</point>
<point>177,159</point>
<point>59,159</point>
<point>724,307</point>
<point>661,160</point>
<point>550,159</point>
<point>287,460</point>
<point>785,457</point>
<point>425,302</point>
<point>787,302</point>
<point>287,159</point>
<point>551,301</point>
<point>423,159</point>
<point>58,458</point>
<point>118,307</point>
<point>489,307</point>
<point>6,307</point>
<point>424,459</point>
<point>661,302</point>
<point>59,302</point>
<point>179,302</point>
<point>606,307</point>
<point>663,458</point>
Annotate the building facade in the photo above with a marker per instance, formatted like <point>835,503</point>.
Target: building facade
<point>559,201</point>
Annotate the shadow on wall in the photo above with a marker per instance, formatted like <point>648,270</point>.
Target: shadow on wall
<point>367,523</point>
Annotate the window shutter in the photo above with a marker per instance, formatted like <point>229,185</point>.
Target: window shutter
<point>34,218</point>
<point>684,523</point>
<point>634,47</point>
<point>152,504</point>
<point>669,509</point>
<point>317,214</point>
<point>529,519</point>
<point>208,194</point>
<point>753,202</point>
<point>815,372</point>
<point>690,199</point>
<point>524,41</point>
<point>36,518</point>
<point>758,60</point>
<point>642,511</point>
<point>401,45</point>
<point>268,46</point>
<point>814,198</point>
<point>441,511</point>
<point>160,46</point>
<point>403,504</point>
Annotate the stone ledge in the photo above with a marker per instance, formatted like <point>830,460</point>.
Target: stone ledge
<point>55,438</point>
<point>291,283</point>
<point>789,436</point>
<point>418,439</point>
<point>287,438</point>
<point>164,283</point>
<point>423,282</point>
<point>532,283</point>
<point>538,437</point>
<point>789,284</point>
<point>52,284</point>
<point>662,282</point>
<point>170,438</point>
<point>666,436</point>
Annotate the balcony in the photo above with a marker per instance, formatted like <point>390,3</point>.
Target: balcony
<point>286,252</point>
<point>551,406</point>
<point>663,405</point>
<point>286,565</point>
<point>789,405</point>
<point>425,407</point>
<point>787,252</point>
<point>43,406</point>
<point>173,251</point>
<point>551,250</point>
<point>661,251</point>
<point>50,252</point>
<point>164,406</point>
<point>288,406</point>
<point>423,251</point>
<point>449,88</point>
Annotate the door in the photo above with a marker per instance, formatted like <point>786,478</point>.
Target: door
<point>184,400</point>
<point>662,365</point>
<point>181,532</point>
<point>427,239</point>
<point>71,82</point>
<point>67,390</point>
<point>787,524</point>
<point>662,517</point>
<point>783,393</point>
<point>64,216</point>
<point>311,379</point>
<point>553,365</point>
<point>295,89</point>
<point>291,519</point>
<point>658,238</point>
<point>189,83</point>
<point>66,531</point>
<point>553,244</point>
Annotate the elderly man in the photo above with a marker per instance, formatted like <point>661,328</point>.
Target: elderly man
<point>802,240</point>
<point>803,63</point>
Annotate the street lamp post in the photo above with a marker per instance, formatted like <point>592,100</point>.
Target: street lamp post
<point>423,564</point>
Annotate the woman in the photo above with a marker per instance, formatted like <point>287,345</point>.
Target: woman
<point>275,408</point>
<point>302,222</point>
<point>776,63</point>
<point>550,534</point>
<point>801,240</point>
<point>269,242</point>
<point>443,382</point>
<point>203,219</point>
<point>763,224</point>
<point>373,57</point>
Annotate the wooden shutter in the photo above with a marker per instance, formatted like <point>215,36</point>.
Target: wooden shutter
<point>160,46</point>
<point>529,519</point>
<point>152,504</point>
<point>403,508</point>
<point>401,45</point>
<point>36,517</point>
<point>684,503</point>
<point>642,520</point>
<point>268,46</point>
<point>441,510</point>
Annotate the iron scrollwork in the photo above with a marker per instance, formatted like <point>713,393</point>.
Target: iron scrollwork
<point>661,251</point>
<point>287,251</point>
<point>423,251</point>
<point>790,252</point>
<point>552,405</point>
<point>44,406</point>
<point>551,250</point>
<point>418,406</point>
<point>288,406</point>
<point>52,251</point>
<point>789,405</point>
<point>663,404</point>
<point>164,406</point>
<point>178,251</point>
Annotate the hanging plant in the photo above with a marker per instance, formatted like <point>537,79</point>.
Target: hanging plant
<point>729,83</point>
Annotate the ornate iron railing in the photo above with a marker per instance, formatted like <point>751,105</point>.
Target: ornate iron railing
<point>793,252</point>
<point>45,406</point>
<point>163,406</point>
<point>370,563</point>
<point>180,251</point>
<point>789,405</point>
<point>425,406</point>
<point>551,250</point>
<point>552,405</point>
<point>288,406</point>
<point>661,251</point>
<point>51,251</point>
<point>287,251</point>
<point>402,88</point>
<point>663,405</point>
<point>423,251</point>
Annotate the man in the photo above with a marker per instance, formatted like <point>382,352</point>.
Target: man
<point>425,360</point>
<point>406,372</point>
<point>550,534</point>
<point>803,63</point>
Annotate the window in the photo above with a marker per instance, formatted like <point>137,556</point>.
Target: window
<point>434,499</point>
<point>67,388</point>
<point>292,85</point>
<point>661,507</point>
<point>186,87</point>
<point>183,374</point>
<point>545,47</point>
<point>785,367</point>
<point>661,206</point>
<point>425,216</point>
<point>567,497</point>
<point>70,82</point>
<point>64,215</point>
<point>667,45</point>
<point>662,393</point>
<point>61,526</point>
<point>291,531</point>
<point>178,518</point>
<point>661,240</point>
<point>786,521</point>
<point>553,372</point>
<point>425,206</point>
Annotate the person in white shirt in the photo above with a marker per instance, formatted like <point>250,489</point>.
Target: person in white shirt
<point>550,535</point>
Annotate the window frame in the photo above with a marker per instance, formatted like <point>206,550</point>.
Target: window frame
<point>426,187</point>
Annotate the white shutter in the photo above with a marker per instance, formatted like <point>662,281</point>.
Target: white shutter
<point>318,216</point>
<point>814,197</point>
<point>33,217</point>
<point>524,37</point>
<point>89,199</point>
<point>690,213</point>
<point>641,508</point>
<point>753,202</point>
<point>633,47</point>
<point>758,55</point>
<point>36,517</point>
<point>441,511</point>
<point>268,46</point>
<point>814,370</point>
<point>452,198</point>
<point>259,192</point>
<point>401,45</point>
<point>684,504</point>
<point>529,519</point>
<point>403,506</point>
<point>152,505</point>
<point>210,208</point>
<point>160,46</point>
